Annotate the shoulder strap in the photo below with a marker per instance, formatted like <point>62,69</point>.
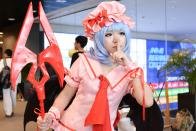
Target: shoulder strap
<point>88,62</point>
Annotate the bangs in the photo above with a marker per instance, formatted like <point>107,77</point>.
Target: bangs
<point>117,27</point>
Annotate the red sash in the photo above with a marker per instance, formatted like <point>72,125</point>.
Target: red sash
<point>99,116</point>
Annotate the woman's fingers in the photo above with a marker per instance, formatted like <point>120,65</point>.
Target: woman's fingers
<point>43,124</point>
<point>118,57</point>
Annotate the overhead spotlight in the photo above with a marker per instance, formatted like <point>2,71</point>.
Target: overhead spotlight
<point>1,33</point>
<point>1,42</point>
<point>11,19</point>
<point>172,1</point>
<point>61,1</point>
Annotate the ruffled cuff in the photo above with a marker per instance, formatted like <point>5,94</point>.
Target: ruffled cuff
<point>55,114</point>
<point>131,66</point>
<point>137,72</point>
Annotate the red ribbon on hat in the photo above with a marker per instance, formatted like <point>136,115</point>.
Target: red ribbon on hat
<point>100,20</point>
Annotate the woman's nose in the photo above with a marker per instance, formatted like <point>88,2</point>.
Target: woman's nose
<point>115,41</point>
<point>115,38</point>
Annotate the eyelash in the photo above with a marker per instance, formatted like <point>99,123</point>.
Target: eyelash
<point>110,34</point>
<point>122,33</point>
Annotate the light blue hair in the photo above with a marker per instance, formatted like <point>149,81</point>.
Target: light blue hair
<point>99,52</point>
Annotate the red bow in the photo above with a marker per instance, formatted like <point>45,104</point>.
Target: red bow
<point>23,56</point>
<point>100,20</point>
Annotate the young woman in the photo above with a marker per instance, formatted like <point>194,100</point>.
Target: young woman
<point>99,78</point>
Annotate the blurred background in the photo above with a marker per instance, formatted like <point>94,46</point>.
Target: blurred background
<point>162,27</point>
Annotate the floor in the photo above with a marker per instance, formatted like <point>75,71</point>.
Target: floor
<point>15,123</point>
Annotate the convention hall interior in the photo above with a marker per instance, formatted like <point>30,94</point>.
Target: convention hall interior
<point>163,43</point>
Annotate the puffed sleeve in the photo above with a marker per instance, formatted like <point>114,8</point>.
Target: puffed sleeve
<point>75,74</point>
<point>134,72</point>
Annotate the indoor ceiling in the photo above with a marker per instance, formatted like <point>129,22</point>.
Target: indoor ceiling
<point>13,11</point>
<point>172,17</point>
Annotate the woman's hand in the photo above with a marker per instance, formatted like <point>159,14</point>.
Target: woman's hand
<point>120,57</point>
<point>44,124</point>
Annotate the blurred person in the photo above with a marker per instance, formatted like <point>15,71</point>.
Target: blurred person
<point>80,43</point>
<point>9,95</point>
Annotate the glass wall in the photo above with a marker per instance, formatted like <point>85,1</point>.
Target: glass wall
<point>159,30</point>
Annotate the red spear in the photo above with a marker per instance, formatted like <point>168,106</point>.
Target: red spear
<point>23,56</point>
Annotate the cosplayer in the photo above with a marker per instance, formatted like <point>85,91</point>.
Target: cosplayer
<point>99,78</point>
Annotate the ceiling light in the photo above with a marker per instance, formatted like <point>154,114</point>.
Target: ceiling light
<point>11,19</point>
<point>61,1</point>
<point>1,33</point>
<point>1,42</point>
<point>34,11</point>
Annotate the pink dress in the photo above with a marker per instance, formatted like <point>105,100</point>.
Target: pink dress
<point>85,79</point>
